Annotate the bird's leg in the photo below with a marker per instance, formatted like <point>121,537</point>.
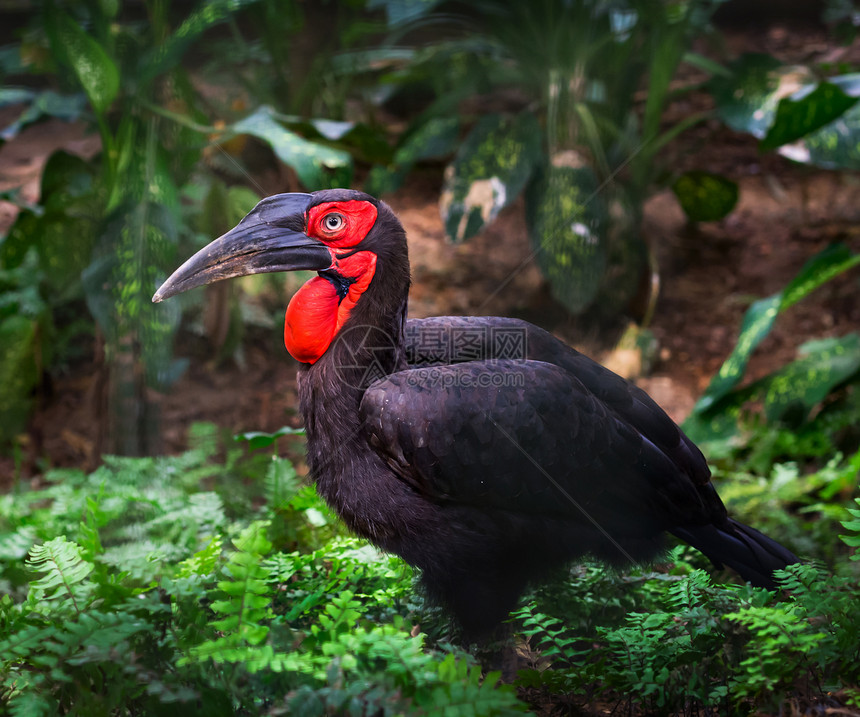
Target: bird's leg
<point>499,651</point>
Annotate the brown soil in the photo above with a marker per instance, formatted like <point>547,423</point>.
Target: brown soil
<point>709,276</point>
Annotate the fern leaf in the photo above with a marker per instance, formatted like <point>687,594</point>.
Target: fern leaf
<point>64,571</point>
<point>280,484</point>
<point>15,546</point>
<point>470,696</point>
<point>203,562</point>
<point>852,540</point>
<point>30,703</point>
<point>27,640</point>
<point>248,596</point>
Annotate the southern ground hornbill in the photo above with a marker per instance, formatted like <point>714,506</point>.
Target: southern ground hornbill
<point>481,450</point>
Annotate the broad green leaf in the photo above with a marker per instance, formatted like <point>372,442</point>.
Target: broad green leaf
<point>94,69</point>
<point>716,431</point>
<point>15,95</point>
<point>224,207</point>
<point>849,83</point>
<point>803,384</point>
<point>317,165</point>
<point>796,118</point>
<point>46,104</point>
<point>384,180</point>
<point>65,232</point>
<point>364,141</point>
<point>789,393</point>
<point>19,286</point>
<point>705,197</point>
<point>18,240</point>
<point>820,269</point>
<point>490,171</point>
<point>240,201</point>
<point>786,107</point>
<point>258,439</point>
<point>66,178</point>
<point>18,373</point>
<point>747,99</point>
<point>834,146</point>
<point>759,318</point>
<point>332,130</point>
<point>567,221</point>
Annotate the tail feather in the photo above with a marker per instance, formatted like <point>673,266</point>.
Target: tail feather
<point>745,550</point>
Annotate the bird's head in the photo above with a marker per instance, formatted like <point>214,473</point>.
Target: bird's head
<point>353,241</point>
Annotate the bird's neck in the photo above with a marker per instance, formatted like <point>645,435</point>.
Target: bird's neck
<point>369,346</point>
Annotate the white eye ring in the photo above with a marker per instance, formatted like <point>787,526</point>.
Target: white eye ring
<point>333,222</point>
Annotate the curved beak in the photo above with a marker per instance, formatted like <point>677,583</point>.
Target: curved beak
<point>270,238</point>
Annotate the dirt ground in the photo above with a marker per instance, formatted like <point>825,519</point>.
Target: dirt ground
<point>709,275</point>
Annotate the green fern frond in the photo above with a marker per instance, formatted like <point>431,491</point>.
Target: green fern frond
<point>244,599</point>
<point>203,562</point>
<point>95,637</point>
<point>247,589</point>
<point>199,513</point>
<point>24,642</point>
<point>466,692</point>
<point>24,696</point>
<point>16,545</point>
<point>852,539</point>
<point>280,484</point>
<point>689,591</point>
<point>64,573</point>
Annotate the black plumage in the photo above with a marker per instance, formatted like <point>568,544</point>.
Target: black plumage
<point>490,461</point>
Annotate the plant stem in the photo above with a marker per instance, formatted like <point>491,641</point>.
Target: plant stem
<point>181,119</point>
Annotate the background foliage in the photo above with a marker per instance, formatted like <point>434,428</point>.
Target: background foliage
<point>216,582</point>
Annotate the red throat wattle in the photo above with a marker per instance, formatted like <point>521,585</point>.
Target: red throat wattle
<point>316,313</point>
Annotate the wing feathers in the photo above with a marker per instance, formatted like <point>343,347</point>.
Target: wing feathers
<point>542,443</point>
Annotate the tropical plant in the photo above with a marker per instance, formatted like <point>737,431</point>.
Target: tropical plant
<point>804,114</point>
<point>572,137</point>
<point>798,398</point>
<point>217,582</point>
<point>107,230</point>
<point>166,585</point>
<point>691,644</point>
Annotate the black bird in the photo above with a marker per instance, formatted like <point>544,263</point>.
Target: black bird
<point>481,450</point>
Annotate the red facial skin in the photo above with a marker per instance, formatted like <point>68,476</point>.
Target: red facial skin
<point>359,219</point>
<point>316,313</point>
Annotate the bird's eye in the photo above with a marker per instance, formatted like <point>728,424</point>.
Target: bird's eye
<point>333,222</point>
